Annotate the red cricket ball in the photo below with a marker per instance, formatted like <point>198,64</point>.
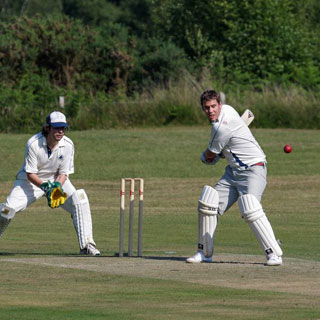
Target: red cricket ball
<point>287,148</point>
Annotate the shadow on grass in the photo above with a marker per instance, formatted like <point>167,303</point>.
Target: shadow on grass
<point>116,255</point>
<point>43,254</point>
<point>183,259</point>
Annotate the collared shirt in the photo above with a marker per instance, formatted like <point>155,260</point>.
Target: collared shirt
<point>47,166</point>
<point>232,137</point>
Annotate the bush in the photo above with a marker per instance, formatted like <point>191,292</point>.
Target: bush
<point>276,107</point>
<point>158,63</point>
<point>24,107</point>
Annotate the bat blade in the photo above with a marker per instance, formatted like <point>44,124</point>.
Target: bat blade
<point>247,117</point>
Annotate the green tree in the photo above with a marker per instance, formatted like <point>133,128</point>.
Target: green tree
<point>250,39</point>
<point>136,15</point>
<point>10,7</point>
<point>71,54</point>
<point>93,12</point>
<point>32,7</point>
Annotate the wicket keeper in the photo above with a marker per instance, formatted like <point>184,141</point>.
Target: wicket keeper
<point>47,165</point>
<point>244,180</point>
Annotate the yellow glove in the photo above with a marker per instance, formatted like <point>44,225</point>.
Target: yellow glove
<point>55,195</point>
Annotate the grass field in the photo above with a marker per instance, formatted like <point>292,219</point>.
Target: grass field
<point>42,277</point>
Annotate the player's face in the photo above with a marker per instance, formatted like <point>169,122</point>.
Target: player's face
<point>212,109</point>
<point>57,133</point>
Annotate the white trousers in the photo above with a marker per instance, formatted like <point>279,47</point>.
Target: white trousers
<point>235,183</point>
<point>24,193</point>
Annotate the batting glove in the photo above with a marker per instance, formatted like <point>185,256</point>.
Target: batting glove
<point>203,159</point>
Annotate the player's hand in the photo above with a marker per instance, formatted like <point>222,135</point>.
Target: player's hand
<point>207,158</point>
<point>209,155</point>
<point>55,196</point>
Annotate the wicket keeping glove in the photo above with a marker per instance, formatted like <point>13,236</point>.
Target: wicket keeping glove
<point>54,193</point>
<point>46,186</point>
<point>57,196</point>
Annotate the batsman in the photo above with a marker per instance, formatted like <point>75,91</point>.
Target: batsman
<point>48,162</point>
<point>243,181</point>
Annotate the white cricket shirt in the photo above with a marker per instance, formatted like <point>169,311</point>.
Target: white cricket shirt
<point>46,167</point>
<point>231,136</point>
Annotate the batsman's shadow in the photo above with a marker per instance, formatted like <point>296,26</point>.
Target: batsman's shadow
<point>164,258</point>
<point>238,262</point>
<point>183,259</point>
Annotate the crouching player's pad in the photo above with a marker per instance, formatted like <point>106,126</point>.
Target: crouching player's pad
<point>208,211</point>
<point>78,206</point>
<point>253,213</point>
<point>6,215</point>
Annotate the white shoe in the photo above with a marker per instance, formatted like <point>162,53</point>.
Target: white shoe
<point>198,257</point>
<point>90,250</point>
<point>273,260</point>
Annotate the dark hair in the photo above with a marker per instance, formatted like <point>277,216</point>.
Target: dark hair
<point>209,95</point>
<point>45,130</point>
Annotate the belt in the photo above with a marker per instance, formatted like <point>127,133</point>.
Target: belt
<point>258,164</point>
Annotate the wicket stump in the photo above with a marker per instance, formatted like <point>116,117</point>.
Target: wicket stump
<point>131,209</point>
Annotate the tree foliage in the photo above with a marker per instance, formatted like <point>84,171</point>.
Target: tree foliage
<point>248,41</point>
<point>74,55</point>
<point>128,47</point>
<point>253,40</point>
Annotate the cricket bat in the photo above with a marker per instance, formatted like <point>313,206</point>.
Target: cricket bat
<point>247,117</point>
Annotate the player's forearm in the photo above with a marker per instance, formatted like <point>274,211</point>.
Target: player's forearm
<point>61,178</point>
<point>33,178</point>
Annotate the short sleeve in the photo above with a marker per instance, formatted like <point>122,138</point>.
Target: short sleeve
<point>220,136</point>
<point>31,161</point>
